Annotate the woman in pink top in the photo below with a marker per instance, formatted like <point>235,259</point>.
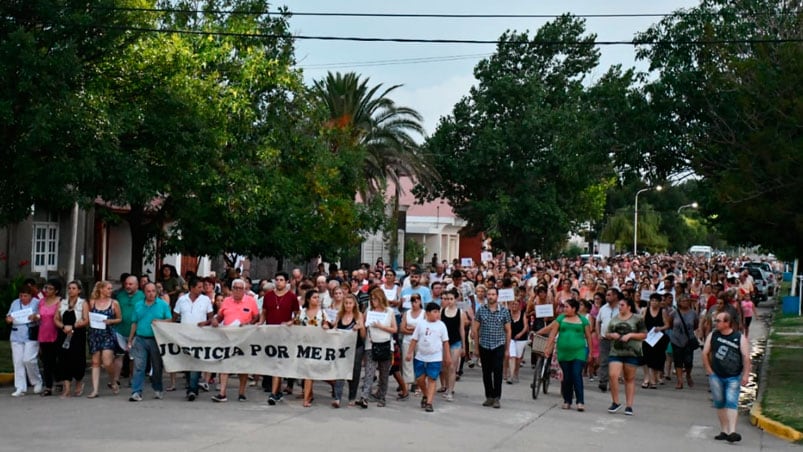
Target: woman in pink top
<point>236,310</point>
<point>748,307</point>
<point>48,334</point>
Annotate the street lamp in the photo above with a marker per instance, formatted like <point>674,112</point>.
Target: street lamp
<point>635,218</point>
<point>693,205</point>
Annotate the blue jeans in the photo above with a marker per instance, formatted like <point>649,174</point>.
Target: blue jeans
<point>144,350</point>
<point>192,382</point>
<point>725,391</point>
<point>572,383</point>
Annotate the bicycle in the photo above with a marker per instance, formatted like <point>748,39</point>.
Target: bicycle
<point>542,364</point>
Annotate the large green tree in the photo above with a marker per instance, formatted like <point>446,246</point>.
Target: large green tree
<point>729,84</point>
<point>525,156</point>
<point>51,126</point>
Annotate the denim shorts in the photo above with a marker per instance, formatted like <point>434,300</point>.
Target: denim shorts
<point>431,369</point>
<point>725,391</point>
<point>456,345</point>
<point>629,360</point>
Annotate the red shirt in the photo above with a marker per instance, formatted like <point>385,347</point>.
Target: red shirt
<point>279,309</point>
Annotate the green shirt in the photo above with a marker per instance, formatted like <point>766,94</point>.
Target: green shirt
<point>572,339</point>
<point>631,348</point>
<point>127,303</point>
<point>144,316</point>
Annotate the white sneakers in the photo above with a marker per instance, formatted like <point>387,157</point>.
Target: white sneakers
<point>37,389</point>
<point>18,393</point>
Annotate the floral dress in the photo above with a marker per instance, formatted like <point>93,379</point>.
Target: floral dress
<point>102,339</point>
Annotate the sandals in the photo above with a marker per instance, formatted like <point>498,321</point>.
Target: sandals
<point>443,389</point>
<point>581,407</point>
<point>94,395</point>
<point>308,403</point>
<point>115,389</point>
<point>645,385</point>
<point>336,404</point>
<point>79,390</point>
<point>679,386</point>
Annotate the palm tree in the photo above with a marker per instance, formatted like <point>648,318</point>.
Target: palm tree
<point>385,130</point>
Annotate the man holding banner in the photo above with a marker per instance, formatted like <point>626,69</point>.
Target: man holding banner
<point>194,308</point>
<point>237,310</point>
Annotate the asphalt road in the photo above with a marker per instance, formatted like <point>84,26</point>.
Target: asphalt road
<point>666,420</point>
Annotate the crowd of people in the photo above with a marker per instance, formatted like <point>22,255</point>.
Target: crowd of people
<point>608,319</point>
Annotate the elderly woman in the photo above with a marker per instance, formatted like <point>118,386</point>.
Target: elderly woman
<point>24,349</point>
<point>381,325</point>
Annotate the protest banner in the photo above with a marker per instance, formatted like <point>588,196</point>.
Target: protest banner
<point>288,351</point>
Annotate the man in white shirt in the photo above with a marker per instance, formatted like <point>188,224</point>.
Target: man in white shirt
<point>606,313</point>
<point>323,291</point>
<point>193,308</point>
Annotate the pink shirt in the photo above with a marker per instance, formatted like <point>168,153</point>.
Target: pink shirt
<point>245,310</point>
<point>747,308</point>
<point>47,325</point>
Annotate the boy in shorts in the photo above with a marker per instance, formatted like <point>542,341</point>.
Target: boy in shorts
<point>430,345</point>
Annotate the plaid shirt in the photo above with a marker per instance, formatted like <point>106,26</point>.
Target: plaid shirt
<point>492,326</point>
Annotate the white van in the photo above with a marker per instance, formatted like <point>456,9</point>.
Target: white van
<point>701,250</point>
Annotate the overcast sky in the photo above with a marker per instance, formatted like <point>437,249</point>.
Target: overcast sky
<point>433,88</point>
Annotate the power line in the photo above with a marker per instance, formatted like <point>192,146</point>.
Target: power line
<point>376,15</point>
<point>413,15</point>
<point>435,59</point>
<point>453,41</point>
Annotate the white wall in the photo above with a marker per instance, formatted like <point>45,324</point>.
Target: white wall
<point>119,251</point>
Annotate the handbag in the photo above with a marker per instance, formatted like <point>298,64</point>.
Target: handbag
<point>380,351</point>
<point>693,342</point>
<point>33,331</point>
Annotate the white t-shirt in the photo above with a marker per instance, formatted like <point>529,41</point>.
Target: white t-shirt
<point>606,313</point>
<point>429,337</point>
<point>193,312</point>
<point>412,322</point>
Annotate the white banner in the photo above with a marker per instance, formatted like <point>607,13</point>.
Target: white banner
<point>287,351</point>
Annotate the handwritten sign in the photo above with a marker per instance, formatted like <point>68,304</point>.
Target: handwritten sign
<point>97,320</point>
<point>372,317</point>
<point>21,317</point>
<point>544,311</point>
<point>506,295</point>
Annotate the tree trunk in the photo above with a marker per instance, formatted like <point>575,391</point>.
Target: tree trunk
<point>139,237</point>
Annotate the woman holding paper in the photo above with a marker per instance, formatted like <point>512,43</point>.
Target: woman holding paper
<point>24,350</point>
<point>657,322</point>
<point>381,325</point>
<point>104,312</point>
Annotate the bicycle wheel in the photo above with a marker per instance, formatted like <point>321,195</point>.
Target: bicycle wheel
<point>545,375</point>
<point>536,385</point>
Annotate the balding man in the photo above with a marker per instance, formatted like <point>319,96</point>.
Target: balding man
<point>127,299</point>
<point>323,291</point>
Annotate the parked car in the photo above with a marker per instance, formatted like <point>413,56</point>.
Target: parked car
<point>760,283</point>
<point>766,268</point>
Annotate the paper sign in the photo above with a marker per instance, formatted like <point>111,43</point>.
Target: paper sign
<point>97,320</point>
<point>486,256</point>
<point>464,306</point>
<point>506,295</point>
<point>544,310</point>
<point>466,262</point>
<point>645,295</point>
<point>373,316</point>
<point>331,314</point>
<point>653,336</point>
<point>21,317</point>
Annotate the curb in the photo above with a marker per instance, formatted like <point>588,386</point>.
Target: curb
<point>6,379</point>
<point>757,418</point>
<point>773,427</point>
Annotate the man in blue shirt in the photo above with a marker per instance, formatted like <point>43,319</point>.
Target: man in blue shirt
<point>415,287</point>
<point>142,342</point>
